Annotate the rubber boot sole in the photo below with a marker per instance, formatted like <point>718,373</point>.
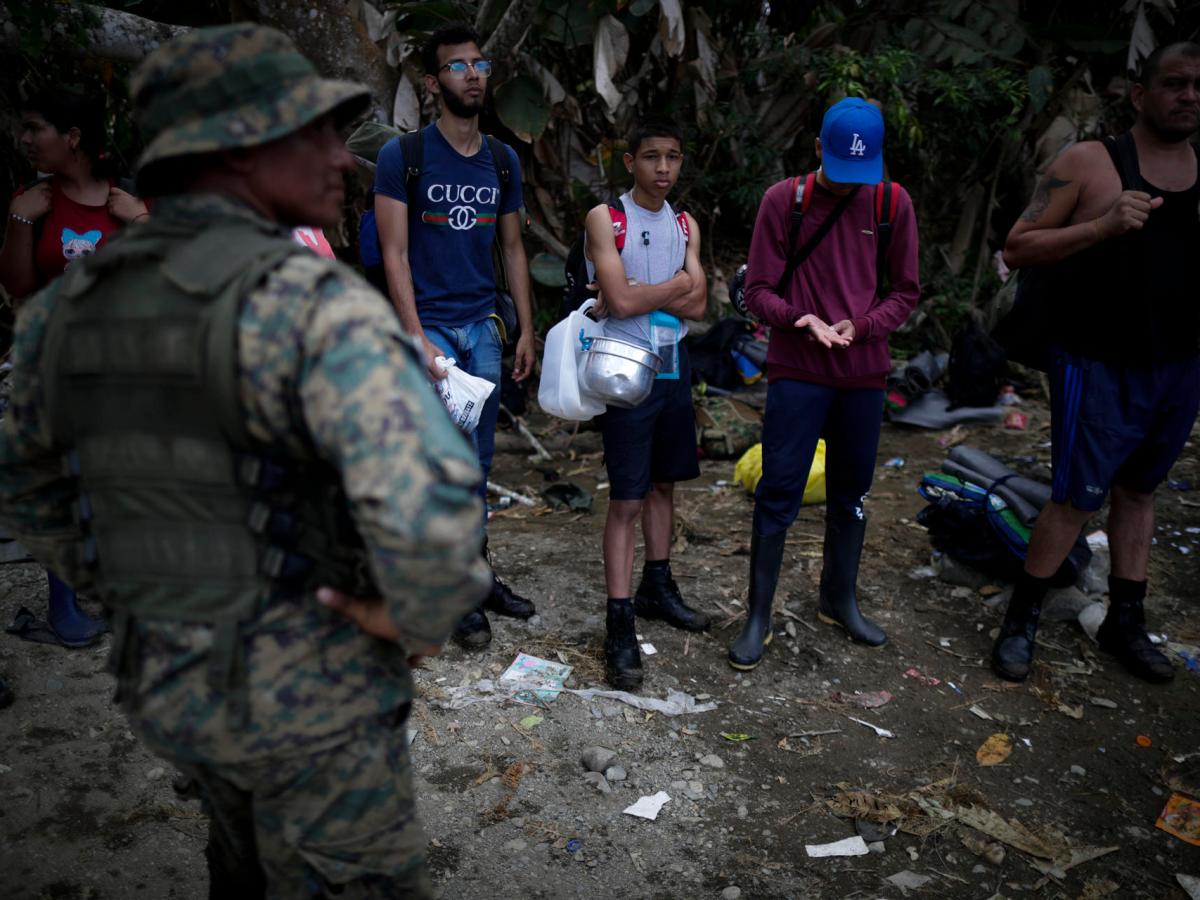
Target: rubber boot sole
<point>746,667</point>
<point>829,620</point>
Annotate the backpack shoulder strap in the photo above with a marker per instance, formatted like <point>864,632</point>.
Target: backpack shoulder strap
<point>682,219</point>
<point>1123,153</point>
<point>499,152</point>
<point>413,147</point>
<point>887,201</point>
<point>620,221</point>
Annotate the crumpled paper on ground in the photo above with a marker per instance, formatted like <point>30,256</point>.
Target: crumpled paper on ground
<point>678,703</point>
<point>648,807</point>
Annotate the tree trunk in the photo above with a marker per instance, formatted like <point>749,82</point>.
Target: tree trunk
<point>111,33</point>
<point>336,42</point>
<point>511,29</point>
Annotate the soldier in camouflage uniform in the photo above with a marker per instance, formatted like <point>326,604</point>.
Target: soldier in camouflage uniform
<point>231,443</point>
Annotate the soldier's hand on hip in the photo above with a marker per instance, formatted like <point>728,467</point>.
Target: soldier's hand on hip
<point>1129,212</point>
<point>368,613</point>
<point>819,331</point>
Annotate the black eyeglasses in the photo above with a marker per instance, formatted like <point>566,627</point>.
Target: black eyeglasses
<point>481,67</point>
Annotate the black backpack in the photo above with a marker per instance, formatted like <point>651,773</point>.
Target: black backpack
<point>977,368</point>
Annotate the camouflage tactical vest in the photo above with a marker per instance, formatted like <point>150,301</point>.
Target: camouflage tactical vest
<point>186,518</point>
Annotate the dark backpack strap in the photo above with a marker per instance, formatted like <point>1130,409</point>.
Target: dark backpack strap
<point>798,209</point>
<point>887,199</point>
<point>413,148</point>
<point>1123,152</point>
<point>500,161</point>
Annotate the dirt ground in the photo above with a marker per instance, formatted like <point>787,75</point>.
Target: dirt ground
<point>85,812</point>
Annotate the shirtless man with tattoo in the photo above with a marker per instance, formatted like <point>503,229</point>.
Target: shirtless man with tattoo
<point>1115,224</point>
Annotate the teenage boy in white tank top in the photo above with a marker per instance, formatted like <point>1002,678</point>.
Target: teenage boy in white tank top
<point>656,278</point>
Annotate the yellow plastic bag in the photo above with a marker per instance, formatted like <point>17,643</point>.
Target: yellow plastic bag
<point>749,470</point>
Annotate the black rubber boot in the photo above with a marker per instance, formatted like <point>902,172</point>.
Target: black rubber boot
<point>72,625</point>
<point>1123,632</point>
<point>1012,654</point>
<point>622,657</point>
<point>838,603</point>
<point>766,557</point>
<point>658,597</point>
<point>503,600</point>
<point>474,631</point>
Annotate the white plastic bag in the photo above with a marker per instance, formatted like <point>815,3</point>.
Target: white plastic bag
<point>463,394</point>
<point>558,393</point>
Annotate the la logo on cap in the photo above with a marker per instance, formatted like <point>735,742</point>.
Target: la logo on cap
<point>857,147</point>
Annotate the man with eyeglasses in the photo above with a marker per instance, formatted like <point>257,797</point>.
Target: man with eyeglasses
<point>435,249</point>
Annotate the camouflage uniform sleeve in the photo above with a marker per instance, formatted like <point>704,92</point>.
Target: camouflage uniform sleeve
<point>323,355</point>
<point>36,496</point>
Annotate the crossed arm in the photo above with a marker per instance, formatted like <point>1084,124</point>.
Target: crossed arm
<point>685,295</point>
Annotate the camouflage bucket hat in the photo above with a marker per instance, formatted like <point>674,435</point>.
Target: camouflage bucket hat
<point>231,86</point>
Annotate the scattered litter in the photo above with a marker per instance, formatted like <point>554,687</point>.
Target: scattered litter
<point>955,436</point>
<point>736,736</point>
<point>874,832</point>
<point>1097,539</point>
<point>678,703</point>
<point>896,462</point>
<point>922,572</point>
<point>1190,884</point>
<point>1016,421</point>
<point>995,750</point>
<point>534,680</point>
<point>1189,654</point>
<point>924,679</point>
<point>851,846</point>
<point>1102,701</point>
<point>1181,818</point>
<point>531,722</point>
<point>871,700</point>
<point>881,732</point>
<point>648,807</point>
<point>1179,484</point>
<point>573,844</point>
<point>908,881</point>
<point>568,494</point>
<point>649,649</point>
<point>954,687</point>
<point>1090,618</point>
<point>1143,741</point>
<point>976,710</point>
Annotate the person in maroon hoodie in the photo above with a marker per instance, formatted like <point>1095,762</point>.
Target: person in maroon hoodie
<point>826,362</point>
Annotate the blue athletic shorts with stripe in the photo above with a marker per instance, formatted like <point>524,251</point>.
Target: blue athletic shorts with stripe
<point>1113,424</point>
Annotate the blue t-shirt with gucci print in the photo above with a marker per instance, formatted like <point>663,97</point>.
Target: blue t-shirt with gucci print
<point>451,225</point>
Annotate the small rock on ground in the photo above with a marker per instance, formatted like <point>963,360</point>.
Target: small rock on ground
<point>597,759</point>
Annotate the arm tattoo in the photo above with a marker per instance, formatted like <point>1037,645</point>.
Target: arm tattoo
<point>1041,196</point>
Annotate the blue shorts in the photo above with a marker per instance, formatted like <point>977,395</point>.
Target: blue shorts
<point>654,443</point>
<point>1113,424</point>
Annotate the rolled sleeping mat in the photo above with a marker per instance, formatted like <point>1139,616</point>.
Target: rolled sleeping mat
<point>989,467</point>
<point>922,371</point>
<point>1024,510</point>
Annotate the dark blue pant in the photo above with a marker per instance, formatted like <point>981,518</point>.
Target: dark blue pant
<point>798,414</point>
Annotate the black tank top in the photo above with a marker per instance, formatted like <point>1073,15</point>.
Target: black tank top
<point>1135,299</point>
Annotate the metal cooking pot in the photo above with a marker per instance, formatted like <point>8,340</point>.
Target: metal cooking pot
<point>617,372</point>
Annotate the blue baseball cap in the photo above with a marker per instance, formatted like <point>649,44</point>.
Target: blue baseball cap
<point>852,142</point>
